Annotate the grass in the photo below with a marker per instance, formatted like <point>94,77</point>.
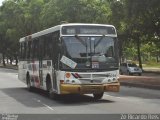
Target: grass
<point>152,64</point>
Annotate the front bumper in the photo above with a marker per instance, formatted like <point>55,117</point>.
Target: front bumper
<point>88,89</point>
<point>136,72</point>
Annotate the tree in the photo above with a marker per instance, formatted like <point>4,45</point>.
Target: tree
<point>142,18</point>
<point>136,21</point>
<point>85,11</point>
<point>19,18</point>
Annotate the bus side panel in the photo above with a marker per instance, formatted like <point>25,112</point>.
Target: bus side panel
<point>60,75</point>
<point>33,69</point>
<point>47,70</point>
<point>22,67</point>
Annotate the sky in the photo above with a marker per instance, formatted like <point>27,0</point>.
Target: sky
<point>1,2</point>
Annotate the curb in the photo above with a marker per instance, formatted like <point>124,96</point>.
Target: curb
<point>13,68</point>
<point>151,70</point>
<point>140,85</point>
<point>157,72</point>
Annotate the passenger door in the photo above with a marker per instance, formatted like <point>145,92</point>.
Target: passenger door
<point>41,62</point>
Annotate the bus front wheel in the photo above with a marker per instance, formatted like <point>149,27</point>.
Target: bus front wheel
<point>98,95</point>
<point>51,94</point>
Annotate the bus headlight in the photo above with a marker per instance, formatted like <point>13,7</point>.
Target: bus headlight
<point>68,75</point>
<point>109,80</point>
<point>114,79</point>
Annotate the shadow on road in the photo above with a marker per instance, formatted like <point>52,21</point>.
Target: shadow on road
<point>137,92</point>
<point>37,97</point>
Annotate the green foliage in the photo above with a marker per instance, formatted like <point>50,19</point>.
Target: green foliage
<point>135,20</point>
<point>84,11</point>
<point>151,64</point>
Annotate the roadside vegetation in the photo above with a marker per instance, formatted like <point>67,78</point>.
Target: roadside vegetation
<point>137,23</point>
<point>151,65</point>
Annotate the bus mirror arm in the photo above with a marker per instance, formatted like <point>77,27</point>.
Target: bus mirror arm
<point>59,45</point>
<point>60,49</point>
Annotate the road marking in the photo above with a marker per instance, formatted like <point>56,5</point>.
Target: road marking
<point>39,101</point>
<point>48,106</point>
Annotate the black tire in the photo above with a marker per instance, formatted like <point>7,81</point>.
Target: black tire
<point>121,73</point>
<point>28,81</point>
<point>98,95</point>
<point>139,74</point>
<point>128,73</point>
<point>51,94</point>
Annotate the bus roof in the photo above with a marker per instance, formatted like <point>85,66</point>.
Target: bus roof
<point>58,27</point>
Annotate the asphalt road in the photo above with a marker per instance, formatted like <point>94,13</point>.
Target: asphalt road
<point>16,99</point>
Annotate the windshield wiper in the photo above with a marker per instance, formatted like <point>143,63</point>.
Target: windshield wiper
<point>88,63</point>
<point>95,45</point>
<point>99,40</point>
<point>81,40</point>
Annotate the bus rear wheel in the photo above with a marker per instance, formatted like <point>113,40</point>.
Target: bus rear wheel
<point>28,81</point>
<point>98,95</point>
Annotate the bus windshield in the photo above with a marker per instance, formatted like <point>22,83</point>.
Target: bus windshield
<point>96,52</point>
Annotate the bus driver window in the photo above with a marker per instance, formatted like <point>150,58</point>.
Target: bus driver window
<point>109,52</point>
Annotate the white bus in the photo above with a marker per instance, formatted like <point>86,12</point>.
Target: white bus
<point>71,59</point>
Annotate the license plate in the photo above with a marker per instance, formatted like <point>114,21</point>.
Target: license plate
<point>91,89</point>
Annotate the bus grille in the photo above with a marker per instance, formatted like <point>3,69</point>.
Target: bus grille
<point>91,78</point>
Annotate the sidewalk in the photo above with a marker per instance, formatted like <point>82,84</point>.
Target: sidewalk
<point>147,80</point>
<point>151,70</point>
<point>8,66</point>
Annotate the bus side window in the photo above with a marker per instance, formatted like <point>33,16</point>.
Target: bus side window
<point>29,49</point>
<point>35,49</point>
<point>45,47</point>
<point>23,50</point>
<point>54,48</point>
<point>41,48</point>
<point>49,46</point>
<point>20,52</point>
<point>55,40</point>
